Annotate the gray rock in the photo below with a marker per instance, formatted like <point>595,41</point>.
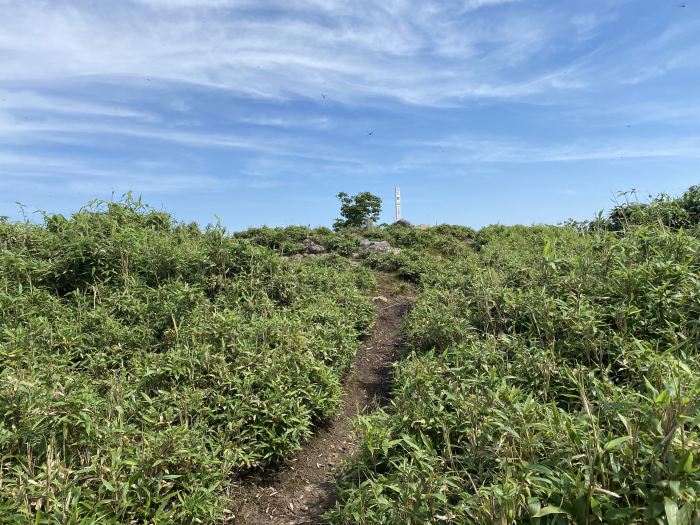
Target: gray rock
<point>403,222</point>
<point>377,247</point>
<point>311,247</point>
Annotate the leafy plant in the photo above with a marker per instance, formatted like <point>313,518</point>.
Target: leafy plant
<point>356,210</point>
<point>552,376</point>
<point>145,364</point>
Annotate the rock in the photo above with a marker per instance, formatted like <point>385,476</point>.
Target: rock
<point>403,222</point>
<point>377,247</point>
<point>311,247</point>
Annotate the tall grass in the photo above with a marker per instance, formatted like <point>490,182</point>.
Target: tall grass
<point>145,363</point>
<point>553,377</point>
<point>551,374</point>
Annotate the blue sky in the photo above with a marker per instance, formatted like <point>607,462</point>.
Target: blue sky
<point>483,111</point>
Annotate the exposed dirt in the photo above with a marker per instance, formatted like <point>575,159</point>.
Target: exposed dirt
<point>301,489</point>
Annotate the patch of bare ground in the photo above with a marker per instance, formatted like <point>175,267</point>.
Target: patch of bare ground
<point>302,488</point>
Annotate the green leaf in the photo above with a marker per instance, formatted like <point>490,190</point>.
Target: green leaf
<point>685,514</point>
<point>546,511</point>
<point>108,485</point>
<point>686,463</point>
<point>671,509</point>
<point>616,443</point>
<point>533,506</point>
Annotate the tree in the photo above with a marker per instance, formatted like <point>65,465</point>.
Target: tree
<point>355,211</point>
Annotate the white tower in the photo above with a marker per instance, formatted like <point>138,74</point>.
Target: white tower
<point>397,191</point>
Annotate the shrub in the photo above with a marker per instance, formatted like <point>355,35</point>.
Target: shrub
<point>552,380</point>
<point>144,364</point>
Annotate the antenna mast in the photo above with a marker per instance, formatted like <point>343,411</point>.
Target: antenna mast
<point>397,192</point>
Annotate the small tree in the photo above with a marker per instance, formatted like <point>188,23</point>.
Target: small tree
<point>355,211</point>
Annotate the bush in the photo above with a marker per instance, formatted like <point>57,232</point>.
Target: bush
<point>289,240</point>
<point>681,212</point>
<point>552,380</point>
<point>144,363</point>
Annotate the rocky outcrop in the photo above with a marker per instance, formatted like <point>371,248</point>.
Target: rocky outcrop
<point>377,247</point>
<point>311,247</point>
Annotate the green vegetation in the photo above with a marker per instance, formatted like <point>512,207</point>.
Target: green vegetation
<point>289,240</point>
<point>355,211</point>
<point>551,376</point>
<point>551,373</point>
<point>680,212</point>
<point>144,363</point>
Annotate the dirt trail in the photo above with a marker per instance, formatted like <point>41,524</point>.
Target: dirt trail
<point>302,488</point>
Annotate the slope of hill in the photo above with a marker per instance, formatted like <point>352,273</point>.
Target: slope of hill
<point>552,376</point>
<point>144,363</point>
<point>549,374</point>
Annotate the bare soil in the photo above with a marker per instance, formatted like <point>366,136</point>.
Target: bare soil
<point>302,488</point>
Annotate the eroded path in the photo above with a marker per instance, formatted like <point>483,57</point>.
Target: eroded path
<point>302,488</point>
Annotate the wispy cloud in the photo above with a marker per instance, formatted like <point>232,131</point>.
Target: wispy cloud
<point>278,122</point>
<point>408,50</point>
<point>48,131</point>
<point>35,103</point>
<point>463,150</point>
<point>60,175</point>
<point>181,95</point>
<point>629,113</point>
